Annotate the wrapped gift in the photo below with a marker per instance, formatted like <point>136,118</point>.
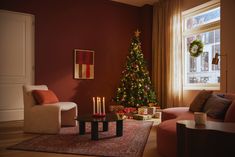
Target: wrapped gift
<point>152,110</point>
<point>129,110</point>
<point>116,108</point>
<point>142,117</point>
<point>143,110</point>
<point>157,115</point>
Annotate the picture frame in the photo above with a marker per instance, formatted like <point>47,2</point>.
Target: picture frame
<point>84,64</point>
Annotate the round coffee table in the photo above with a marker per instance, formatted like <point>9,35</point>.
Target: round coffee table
<point>110,117</point>
<point>212,139</point>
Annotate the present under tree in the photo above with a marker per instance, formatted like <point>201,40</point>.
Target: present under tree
<point>135,89</point>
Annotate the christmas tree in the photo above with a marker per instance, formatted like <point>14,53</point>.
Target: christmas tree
<point>135,88</point>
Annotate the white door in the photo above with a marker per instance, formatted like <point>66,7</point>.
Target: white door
<point>16,62</point>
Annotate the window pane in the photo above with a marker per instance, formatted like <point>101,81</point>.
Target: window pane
<point>204,61</point>
<point>203,18</point>
<point>193,64</point>
<point>199,69</point>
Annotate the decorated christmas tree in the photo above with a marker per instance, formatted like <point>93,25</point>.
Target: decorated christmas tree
<point>135,89</point>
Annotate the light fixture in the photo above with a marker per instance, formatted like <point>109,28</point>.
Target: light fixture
<point>215,61</point>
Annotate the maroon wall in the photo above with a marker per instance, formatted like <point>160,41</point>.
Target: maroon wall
<point>146,16</point>
<point>62,26</point>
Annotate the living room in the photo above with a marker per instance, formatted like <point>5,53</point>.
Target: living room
<point>105,27</point>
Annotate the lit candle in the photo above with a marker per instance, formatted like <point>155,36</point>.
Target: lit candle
<point>93,105</point>
<point>97,104</point>
<point>103,105</point>
<point>100,105</point>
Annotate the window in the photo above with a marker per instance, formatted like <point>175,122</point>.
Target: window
<point>204,62</point>
<point>203,23</point>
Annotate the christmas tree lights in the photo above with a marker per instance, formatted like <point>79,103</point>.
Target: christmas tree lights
<point>135,89</point>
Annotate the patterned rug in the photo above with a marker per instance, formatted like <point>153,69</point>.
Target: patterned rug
<point>131,144</point>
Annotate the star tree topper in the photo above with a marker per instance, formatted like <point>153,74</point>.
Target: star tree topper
<point>137,33</point>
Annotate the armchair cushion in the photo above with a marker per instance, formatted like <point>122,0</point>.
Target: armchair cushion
<point>45,97</point>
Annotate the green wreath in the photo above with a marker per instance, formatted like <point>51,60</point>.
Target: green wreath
<point>196,48</point>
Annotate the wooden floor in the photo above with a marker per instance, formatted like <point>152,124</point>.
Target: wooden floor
<point>11,133</point>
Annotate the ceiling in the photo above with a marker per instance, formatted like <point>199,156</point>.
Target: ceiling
<point>138,3</point>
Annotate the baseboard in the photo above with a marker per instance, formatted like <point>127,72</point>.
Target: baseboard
<point>10,115</point>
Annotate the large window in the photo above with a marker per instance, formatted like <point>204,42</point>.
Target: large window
<point>203,23</point>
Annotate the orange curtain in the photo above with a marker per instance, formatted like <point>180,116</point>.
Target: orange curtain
<point>167,54</point>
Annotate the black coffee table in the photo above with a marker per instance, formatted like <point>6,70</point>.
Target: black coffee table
<point>110,117</point>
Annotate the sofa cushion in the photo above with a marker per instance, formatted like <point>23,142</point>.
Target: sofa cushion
<point>174,112</point>
<point>216,106</point>
<point>230,114</point>
<point>44,97</point>
<point>199,101</point>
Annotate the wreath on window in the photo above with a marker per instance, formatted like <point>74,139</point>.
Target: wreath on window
<point>196,48</point>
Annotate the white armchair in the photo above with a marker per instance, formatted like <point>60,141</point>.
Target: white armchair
<point>48,118</point>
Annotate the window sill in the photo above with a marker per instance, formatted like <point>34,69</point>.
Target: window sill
<point>217,88</point>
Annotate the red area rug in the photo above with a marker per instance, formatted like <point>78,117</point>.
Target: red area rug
<point>131,144</point>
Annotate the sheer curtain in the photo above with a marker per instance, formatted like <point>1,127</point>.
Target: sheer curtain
<point>167,54</point>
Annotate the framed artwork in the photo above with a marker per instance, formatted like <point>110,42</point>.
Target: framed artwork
<point>84,64</point>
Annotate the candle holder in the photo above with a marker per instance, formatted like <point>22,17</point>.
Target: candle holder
<point>200,118</point>
<point>99,115</point>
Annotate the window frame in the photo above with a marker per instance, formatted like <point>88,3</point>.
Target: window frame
<point>194,31</point>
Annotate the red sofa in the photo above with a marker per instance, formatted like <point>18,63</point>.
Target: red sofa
<point>166,130</point>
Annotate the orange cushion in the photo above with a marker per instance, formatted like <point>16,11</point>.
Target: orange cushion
<point>45,97</point>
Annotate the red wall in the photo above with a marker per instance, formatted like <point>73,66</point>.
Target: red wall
<point>146,35</point>
<point>103,26</point>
